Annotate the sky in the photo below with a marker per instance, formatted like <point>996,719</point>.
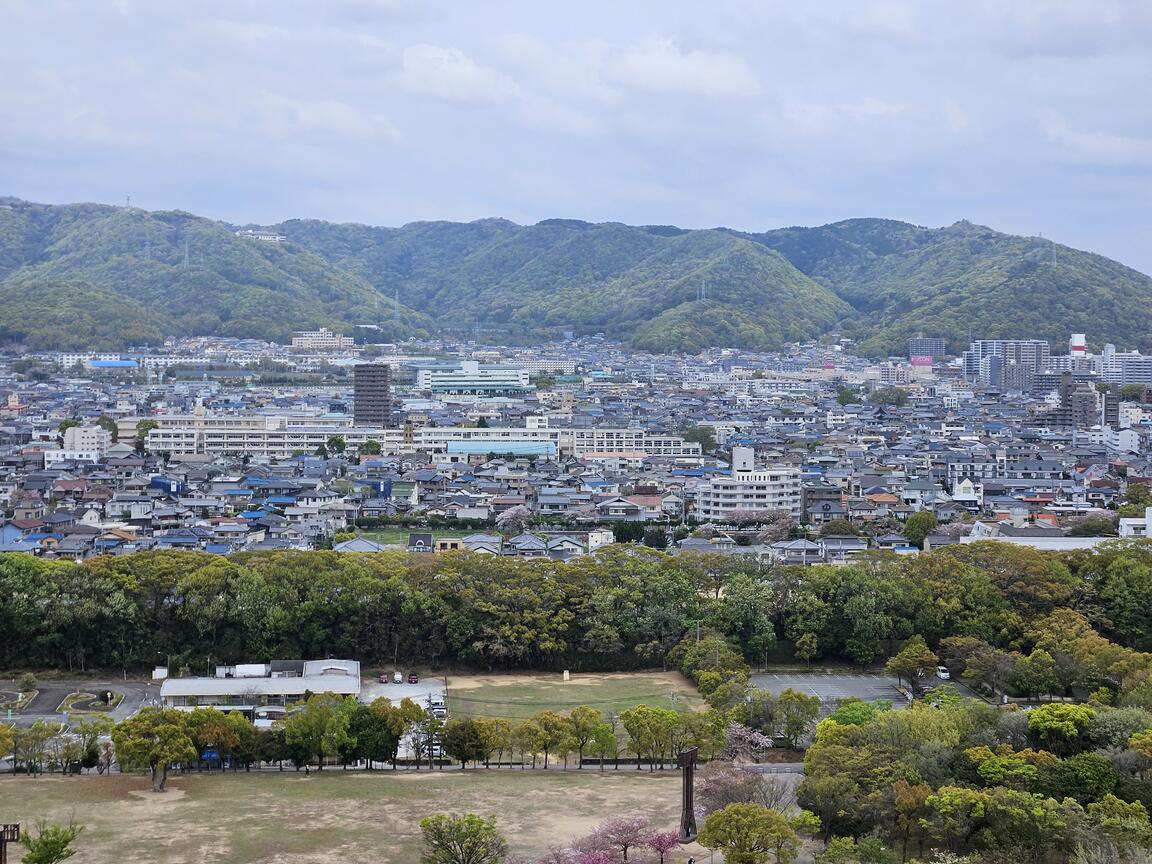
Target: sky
<point>1031,116</point>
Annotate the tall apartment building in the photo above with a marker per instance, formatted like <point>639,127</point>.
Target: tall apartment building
<point>894,373</point>
<point>372,395</point>
<point>1082,407</point>
<point>774,488</point>
<point>93,438</point>
<point>926,347</point>
<point>1125,367</point>
<point>1017,362</point>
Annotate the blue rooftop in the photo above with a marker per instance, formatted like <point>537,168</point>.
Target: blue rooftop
<point>113,364</point>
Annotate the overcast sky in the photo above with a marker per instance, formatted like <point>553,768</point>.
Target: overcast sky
<point>1032,116</point>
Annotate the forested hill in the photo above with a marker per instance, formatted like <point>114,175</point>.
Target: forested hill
<point>92,276</point>
<point>640,284</point>
<point>98,276</point>
<point>904,280</point>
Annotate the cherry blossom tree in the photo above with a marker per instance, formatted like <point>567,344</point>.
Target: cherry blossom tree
<point>558,855</point>
<point>740,742</point>
<point>615,835</point>
<point>514,519</point>
<point>663,842</point>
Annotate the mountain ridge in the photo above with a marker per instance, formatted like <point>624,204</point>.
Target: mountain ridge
<point>91,275</point>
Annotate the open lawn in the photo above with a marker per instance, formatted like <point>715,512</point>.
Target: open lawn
<point>516,697</point>
<point>329,817</point>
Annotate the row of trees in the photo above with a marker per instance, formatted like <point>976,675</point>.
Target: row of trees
<point>58,747</point>
<point>327,728</point>
<point>625,606</point>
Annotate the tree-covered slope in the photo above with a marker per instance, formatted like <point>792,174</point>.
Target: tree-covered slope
<point>968,281</point>
<point>96,276</point>
<point>91,276</point>
<point>633,283</point>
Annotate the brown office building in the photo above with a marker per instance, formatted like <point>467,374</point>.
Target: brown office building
<point>372,394</point>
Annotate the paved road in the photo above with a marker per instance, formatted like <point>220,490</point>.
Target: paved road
<point>51,693</point>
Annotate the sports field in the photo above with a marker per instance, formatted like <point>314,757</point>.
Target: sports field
<point>331,817</point>
<point>515,697</point>
<point>399,536</point>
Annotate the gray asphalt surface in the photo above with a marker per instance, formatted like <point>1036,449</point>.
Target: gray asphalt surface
<point>52,693</point>
<point>418,693</point>
<point>831,687</point>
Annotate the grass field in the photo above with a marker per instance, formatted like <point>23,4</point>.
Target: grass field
<point>516,697</point>
<point>290,818</point>
<point>399,536</point>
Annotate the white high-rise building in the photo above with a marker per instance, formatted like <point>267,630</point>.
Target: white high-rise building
<point>1125,367</point>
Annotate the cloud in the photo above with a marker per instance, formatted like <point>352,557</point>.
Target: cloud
<point>287,115</point>
<point>659,65</point>
<point>1092,146</point>
<point>451,75</point>
<point>825,118</point>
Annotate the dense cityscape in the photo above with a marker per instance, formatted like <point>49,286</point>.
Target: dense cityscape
<point>224,445</point>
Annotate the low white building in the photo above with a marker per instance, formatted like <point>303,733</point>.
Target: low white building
<point>473,378</point>
<point>1137,526</point>
<point>773,488</point>
<point>321,340</point>
<point>55,457</point>
<point>267,689</point>
<point>281,436</point>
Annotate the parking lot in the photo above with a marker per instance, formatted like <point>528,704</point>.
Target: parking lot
<point>421,694</point>
<point>832,688</point>
<point>418,693</point>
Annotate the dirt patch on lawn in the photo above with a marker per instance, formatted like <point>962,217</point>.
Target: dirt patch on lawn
<point>672,680</point>
<point>168,796</point>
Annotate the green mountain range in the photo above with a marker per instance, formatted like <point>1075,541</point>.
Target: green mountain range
<point>94,276</point>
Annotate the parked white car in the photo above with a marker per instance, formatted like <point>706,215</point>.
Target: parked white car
<point>943,674</point>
